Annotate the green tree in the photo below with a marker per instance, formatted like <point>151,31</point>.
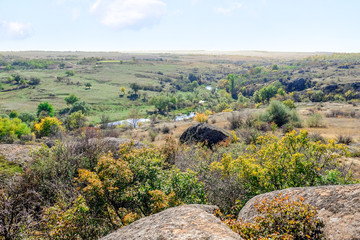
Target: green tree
<point>232,81</point>
<point>135,87</point>
<point>88,85</point>
<point>75,120</point>
<point>45,109</point>
<point>275,67</point>
<point>11,129</point>
<point>71,99</point>
<point>70,73</point>
<point>13,114</point>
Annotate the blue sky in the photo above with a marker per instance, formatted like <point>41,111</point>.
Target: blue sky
<point>145,25</point>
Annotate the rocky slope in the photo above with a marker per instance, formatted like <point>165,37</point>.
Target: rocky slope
<point>190,222</point>
<point>338,206</point>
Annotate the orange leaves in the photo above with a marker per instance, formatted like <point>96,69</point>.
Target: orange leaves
<point>161,201</point>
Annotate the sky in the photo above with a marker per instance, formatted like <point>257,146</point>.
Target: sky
<point>164,25</point>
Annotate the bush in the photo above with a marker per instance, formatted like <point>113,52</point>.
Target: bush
<point>45,109</point>
<point>11,129</point>
<point>47,126</point>
<point>27,117</point>
<point>13,114</point>
<point>34,81</point>
<point>344,139</point>
<point>201,117</point>
<point>165,129</point>
<point>136,184</point>
<point>235,121</point>
<point>277,113</point>
<point>71,99</point>
<point>281,218</point>
<point>292,161</point>
<point>315,120</point>
<point>75,120</point>
<point>289,103</point>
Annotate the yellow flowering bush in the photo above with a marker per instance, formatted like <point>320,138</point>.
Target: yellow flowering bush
<point>48,126</point>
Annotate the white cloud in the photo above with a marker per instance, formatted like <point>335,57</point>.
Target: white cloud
<point>122,14</point>
<point>194,2</point>
<point>16,30</point>
<point>75,14</point>
<point>228,10</point>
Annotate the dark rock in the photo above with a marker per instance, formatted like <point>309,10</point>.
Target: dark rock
<point>204,133</point>
<point>190,222</point>
<point>338,206</point>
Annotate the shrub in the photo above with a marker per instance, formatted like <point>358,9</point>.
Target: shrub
<point>13,114</point>
<point>11,129</point>
<point>136,183</point>
<point>315,120</point>
<point>47,126</point>
<point>34,81</point>
<point>152,135</point>
<point>71,99</point>
<point>289,103</point>
<point>343,139</point>
<point>165,129</point>
<point>281,218</point>
<point>277,113</point>
<point>235,121</point>
<point>201,117</point>
<point>292,161</point>
<point>27,117</point>
<point>316,137</point>
<point>45,109</point>
<point>75,120</point>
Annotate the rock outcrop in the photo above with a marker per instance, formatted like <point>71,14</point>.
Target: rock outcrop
<point>204,133</point>
<point>338,206</point>
<point>190,222</point>
<point>17,153</point>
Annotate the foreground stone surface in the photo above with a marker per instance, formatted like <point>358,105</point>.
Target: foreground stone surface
<point>188,222</point>
<point>205,133</point>
<point>17,153</point>
<point>338,206</point>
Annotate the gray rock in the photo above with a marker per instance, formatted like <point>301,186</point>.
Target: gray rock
<point>338,206</point>
<point>204,133</point>
<point>190,222</point>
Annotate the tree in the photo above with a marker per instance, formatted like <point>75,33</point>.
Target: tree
<point>45,109</point>
<point>75,120</point>
<point>135,87</point>
<point>71,99</point>
<point>232,78</point>
<point>70,73</point>
<point>10,129</point>
<point>134,115</point>
<point>88,85</point>
<point>13,114</point>
<point>80,106</point>
<point>34,81</point>
<point>123,90</point>
<point>275,67</point>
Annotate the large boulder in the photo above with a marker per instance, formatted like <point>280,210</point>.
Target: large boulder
<point>204,133</point>
<point>338,206</point>
<point>188,222</point>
